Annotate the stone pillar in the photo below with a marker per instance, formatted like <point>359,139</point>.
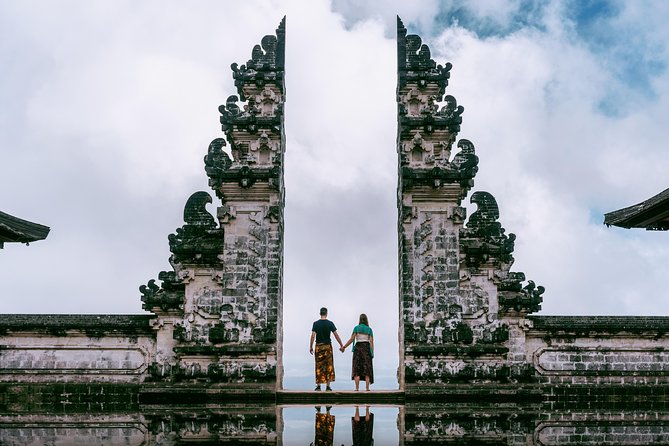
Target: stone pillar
<point>223,301</point>
<point>451,273</point>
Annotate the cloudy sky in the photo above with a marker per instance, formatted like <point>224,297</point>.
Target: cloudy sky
<point>107,108</point>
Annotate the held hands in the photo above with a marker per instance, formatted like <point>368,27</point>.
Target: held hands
<point>342,349</point>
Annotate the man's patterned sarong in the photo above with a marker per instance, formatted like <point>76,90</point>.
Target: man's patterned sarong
<point>324,365</point>
<point>325,424</point>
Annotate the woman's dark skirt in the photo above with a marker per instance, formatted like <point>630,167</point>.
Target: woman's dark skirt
<point>362,362</point>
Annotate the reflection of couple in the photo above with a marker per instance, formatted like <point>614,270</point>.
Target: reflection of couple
<point>362,428</point>
<point>362,339</point>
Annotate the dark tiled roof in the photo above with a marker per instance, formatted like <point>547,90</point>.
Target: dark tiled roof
<point>601,324</point>
<point>95,324</point>
<point>650,214</point>
<point>13,229</point>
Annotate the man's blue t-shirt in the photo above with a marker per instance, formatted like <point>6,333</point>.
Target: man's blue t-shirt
<point>323,328</point>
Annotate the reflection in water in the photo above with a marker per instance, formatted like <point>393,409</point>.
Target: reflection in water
<point>60,416</point>
<point>374,425</point>
<point>299,426</point>
<point>362,428</point>
<point>324,427</point>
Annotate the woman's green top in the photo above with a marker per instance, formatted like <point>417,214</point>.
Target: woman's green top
<point>364,329</point>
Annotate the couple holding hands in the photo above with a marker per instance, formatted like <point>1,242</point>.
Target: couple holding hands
<point>362,339</point>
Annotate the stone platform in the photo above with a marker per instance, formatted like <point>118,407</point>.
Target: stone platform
<point>375,397</point>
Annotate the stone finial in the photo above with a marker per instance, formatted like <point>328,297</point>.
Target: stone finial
<point>514,299</point>
<point>266,64</point>
<point>169,295</point>
<point>483,241</point>
<point>465,161</point>
<point>216,162</point>
<point>252,121</point>
<point>195,211</point>
<point>415,64</point>
<point>199,241</point>
<point>483,238</point>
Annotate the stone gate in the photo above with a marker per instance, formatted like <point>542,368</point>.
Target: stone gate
<point>214,325</point>
<point>218,313</point>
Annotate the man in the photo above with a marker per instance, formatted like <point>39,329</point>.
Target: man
<point>320,332</point>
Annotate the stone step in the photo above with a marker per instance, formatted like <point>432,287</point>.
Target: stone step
<point>376,397</point>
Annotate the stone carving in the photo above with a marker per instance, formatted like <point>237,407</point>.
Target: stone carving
<point>455,281</point>
<point>198,241</point>
<point>266,63</point>
<point>168,296</point>
<point>465,161</point>
<point>483,241</point>
<point>526,300</point>
<point>222,302</point>
<point>483,238</point>
<point>416,65</point>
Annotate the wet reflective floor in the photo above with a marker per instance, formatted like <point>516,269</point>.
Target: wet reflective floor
<point>341,425</point>
<point>95,415</point>
<point>337,425</point>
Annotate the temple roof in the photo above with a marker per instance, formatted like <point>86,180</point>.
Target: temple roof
<point>652,214</point>
<point>13,229</point>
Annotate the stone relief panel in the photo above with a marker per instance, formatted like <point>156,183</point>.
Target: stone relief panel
<point>601,361</point>
<point>73,360</point>
<point>612,433</point>
<point>434,306</point>
<point>59,433</point>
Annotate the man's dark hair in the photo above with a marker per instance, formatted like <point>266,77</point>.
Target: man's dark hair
<point>324,311</point>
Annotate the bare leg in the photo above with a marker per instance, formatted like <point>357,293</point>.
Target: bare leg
<point>367,382</point>
<point>357,383</point>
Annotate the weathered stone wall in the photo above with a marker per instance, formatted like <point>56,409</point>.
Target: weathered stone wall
<point>67,348</point>
<point>598,350</point>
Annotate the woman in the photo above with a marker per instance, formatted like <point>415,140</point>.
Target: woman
<point>363,352</point>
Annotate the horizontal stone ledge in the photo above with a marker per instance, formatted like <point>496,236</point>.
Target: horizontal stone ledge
<point>299,397</point>
<point>583,325</point>
<point>201,395</point>
<point>472,393</point>
<point>439,122</point>
<point>451,350</point>
<point>94,325</point>
<point>232,350</point>
<point>619,391</point>
<point>434,173</point>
